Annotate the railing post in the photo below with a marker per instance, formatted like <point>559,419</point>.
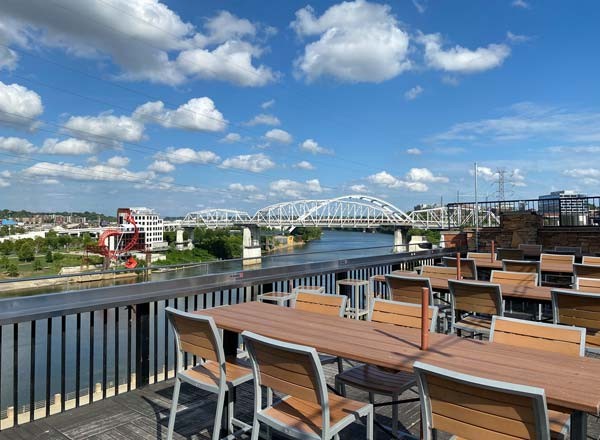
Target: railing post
<point>142,344</point>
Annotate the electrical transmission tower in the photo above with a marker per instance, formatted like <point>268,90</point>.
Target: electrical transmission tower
<point>501,172</point>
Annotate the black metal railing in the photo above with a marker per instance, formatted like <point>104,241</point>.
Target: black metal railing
<point>63,350</point>
<point>557,211</point>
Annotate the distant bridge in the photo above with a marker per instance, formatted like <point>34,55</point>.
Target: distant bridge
<point>351,211</point>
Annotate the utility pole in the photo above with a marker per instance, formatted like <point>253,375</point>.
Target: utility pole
<point>476,212</point>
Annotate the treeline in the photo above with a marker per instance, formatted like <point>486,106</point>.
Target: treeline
<point>307,233</point>
<point>209,244</point>
<point>90,215</point>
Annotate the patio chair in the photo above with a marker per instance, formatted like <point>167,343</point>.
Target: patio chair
<point>306,410</point>
<point>514,278</point>
<point>523,266</point>
<point>556,280</point>
<point>586,271</point>
<point>468,267</point>
<point>586,259</point>
<point>591,285</point>
<point>438,272</point>
<point>381,381</point>
<point>510,254</point>
<point>565,340</point>
<point>473,304</point>
<point>571,250</point>
<point>562,259</point>
<point>407,288</point>
<point>199,336</point>
<point>471,407</point>
<point>580,309</point>
<point>331,305</point>
<point>531,250</point>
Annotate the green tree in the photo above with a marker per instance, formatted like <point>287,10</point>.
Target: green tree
<point>49,257</point>
<point>26,252</point>
<point>6,247</point>
<point>12,270</point>
<point>37,265</point>
<point>4,262</point>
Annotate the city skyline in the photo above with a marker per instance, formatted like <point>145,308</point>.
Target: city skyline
<point>179,107</point>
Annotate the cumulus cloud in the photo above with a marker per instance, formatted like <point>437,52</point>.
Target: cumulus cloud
<point>70,146</point>
<point>263,119</point>
<point>145,38</point>
<point>413,93</point>
<point>4,183</point>
<point>112,171</point>
<point>520,4</point>
<point>516,39</point>
<point>257,163</point>
<point>239,187</point>
<point>304,165</point>
<point>105,129</point>
<point>16,145</point>
<point>458,59</point>
<point>424,175</point>
<point>8,58</point>
<point>118,162</point>
<point>313,147</point>
<point>294,189</point>
<point>188,155</point>
<point>267,104</point>
<point>198,114</point>
<point>413,151</point>
<point>231,138</point>
<point>359,188</point>
<point>278,135</point>
<point>161,166</point>
<point>574,149</point>
<point>19,106</point>
<point>358,41</point>
<point>385,179</point>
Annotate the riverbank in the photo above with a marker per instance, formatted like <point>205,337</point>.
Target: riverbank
<point>100,278</point>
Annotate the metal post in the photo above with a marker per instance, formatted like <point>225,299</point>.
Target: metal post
<point>424,318</point>
<point>142,344</point>
<point>476,213</point>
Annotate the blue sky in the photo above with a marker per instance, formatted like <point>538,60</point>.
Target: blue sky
<point>182,105</point>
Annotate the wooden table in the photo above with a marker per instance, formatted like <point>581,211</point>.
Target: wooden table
<point>537,293</point>
<point>571,383</point>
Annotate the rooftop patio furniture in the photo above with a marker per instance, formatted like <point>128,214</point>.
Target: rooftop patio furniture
<point>279,298</point>
<point>471,407</point>
<point>199,336</point>
<point>522,266</point>
<point>356,287</point>
<point>510,254</point>
<point>407,288</point>
<point>514,278</point>
<point>571,250</point>
<point>557,262</point>
<point>306,410</point>
<point>591,285</point>
<point>580,309</point>
<point>531,250</point>
<point>586,271</point>
<point>381,381</point>
<point>587,259</point>
<point>308,289</point>
<point>438,272</point>
<point>468,266</point>
<point>473,305</point>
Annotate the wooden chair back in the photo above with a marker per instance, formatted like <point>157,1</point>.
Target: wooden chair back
<point>290,369</point>
<point>332,305</point>
<point>510,254</point>
<point>468,267</point>
<point>586,270</point>
<point>522,266</point>
<point>476,297</point>
<point>538,335</point>
<point>471,407</point>
<point>196,334</point>
<point>438,272</point>
<point>591,285</point>
<point>586,259</point>
<point>401,314</point>
<point>574,250</point>
<point>514,278</point>
<point>480,256</point>
<point>531,250</point>
<point>580,309</point>
<point>557,259</point>
<point>408,288</point>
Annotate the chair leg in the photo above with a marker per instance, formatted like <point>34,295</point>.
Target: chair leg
<point>230,409</point>
<point>395,415</point>
<point>216,435</point>
<point>269,403</point>
<point>173,412</point>
<point>370,423</point>
<point>340,387</point>
<point>255,429</point>
<point>340,363</point>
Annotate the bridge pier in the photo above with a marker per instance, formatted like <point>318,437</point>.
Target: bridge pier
<point>251,251</point>
<point>400,239</point>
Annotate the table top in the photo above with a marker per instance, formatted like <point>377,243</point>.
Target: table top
<point>276,295</point>
<point>537,293</point>
<point>352,282</point>
<point>570,382</point>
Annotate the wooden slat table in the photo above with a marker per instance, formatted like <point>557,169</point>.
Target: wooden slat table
<point>571,383</point>
<point>537,293</point>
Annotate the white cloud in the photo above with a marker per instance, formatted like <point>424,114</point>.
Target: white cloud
<point>420,5</point>
<point>278,135</point>
<point>521,4</point>
<point>462,60</point>
<point>528,121</point>
<point>358,42</point>
<point>145,38</point>
<point>575,149</point>
<point>4,183</point>
<point>304,165</point>
<point>5,173</point>
<point>188,155</point>
<point>105,129</point>
<point>8,58</point>
<point>70,146</point>
<point>294,189</point>
<point>257,163</point>
<point>242,188</point>
<point>450,80</point>
<point>100,172</point>
<point>161,166</point>
<point>414,151</point>
<point>516,39</point>
<point>231,138</point>
<point>16,145</point>
<point>313,147</point>
<point>263,119</point>
<point>413,93</point>
<point>50,182</point>
<point>582,172</point>
<point>424,175</point>
<point>19,106</point>
<point>118,162</point>
<point>267,104</point>
<point>359,188</point>
<point>198,114</point>
<point>486,173</point>
<point>385,179</point>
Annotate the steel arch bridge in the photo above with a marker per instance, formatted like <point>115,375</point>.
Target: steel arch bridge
<point>351,211</point>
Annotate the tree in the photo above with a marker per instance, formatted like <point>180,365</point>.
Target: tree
<point>49,257</point>
<point>37,265</point>
<point>12,270</point>
<point>26,252</point>
<point>4,262</point>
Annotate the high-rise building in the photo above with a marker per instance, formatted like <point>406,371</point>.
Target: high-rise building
<point>150,227</point>
<point>564,208</point>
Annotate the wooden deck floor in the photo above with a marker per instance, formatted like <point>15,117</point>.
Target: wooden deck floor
<point>143,415</point>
